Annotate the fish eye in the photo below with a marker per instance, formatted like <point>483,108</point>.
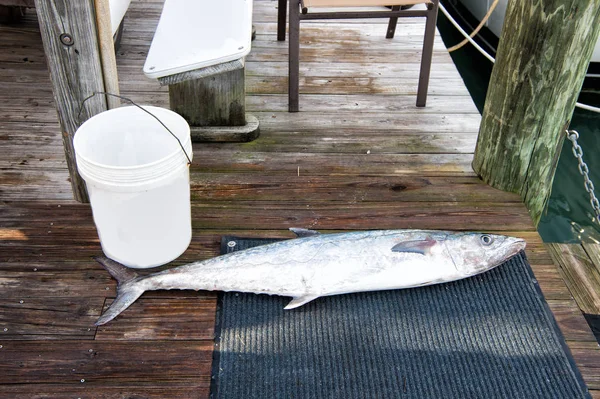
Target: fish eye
<point>486,239</point>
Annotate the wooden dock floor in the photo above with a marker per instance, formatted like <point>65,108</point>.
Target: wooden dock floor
<point>358,156</point>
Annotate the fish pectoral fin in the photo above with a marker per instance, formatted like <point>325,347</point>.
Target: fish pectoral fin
<point>303,232</point>
<point>299,301</point>
<point>422,247</point>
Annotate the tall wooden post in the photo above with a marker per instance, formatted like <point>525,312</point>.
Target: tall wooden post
<point>544,51</point>
<point>70,40</point>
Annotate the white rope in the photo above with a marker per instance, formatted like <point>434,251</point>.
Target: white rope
<point>489,57</point>
<point>587,107</point>
<point>476,31</point>
<point>465,34</point>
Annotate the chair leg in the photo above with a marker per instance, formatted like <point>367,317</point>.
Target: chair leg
<point>427,53</point>
<point>391,30</point>
<point>294,54</point>
<point>281,16</point>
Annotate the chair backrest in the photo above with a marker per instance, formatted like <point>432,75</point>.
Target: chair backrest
<point>360,3</point>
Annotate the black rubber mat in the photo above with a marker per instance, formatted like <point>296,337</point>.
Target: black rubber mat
<point>489,336</point>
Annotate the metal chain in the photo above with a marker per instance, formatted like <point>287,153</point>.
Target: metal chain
<point>584,171</point>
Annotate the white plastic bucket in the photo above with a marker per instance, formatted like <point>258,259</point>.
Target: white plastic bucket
<point>138,181</point>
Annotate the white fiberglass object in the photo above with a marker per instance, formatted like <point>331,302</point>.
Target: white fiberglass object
<point>118,8</point>
<point>194,34</point>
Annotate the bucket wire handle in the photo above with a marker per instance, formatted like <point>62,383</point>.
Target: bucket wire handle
<point>143,109</point>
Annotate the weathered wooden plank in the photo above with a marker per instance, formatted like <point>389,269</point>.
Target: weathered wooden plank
<point>27,185</point>
<point>349,123</point>
<point>375,143</point>
<point>74,215</point>
<point>62,318</point>
<point>586,354</point>
<point>93,364</point>
<point>591,377</point>
<point>231,160</point>
<point>593,252</point>
<point>75,70</point>
<point>307,164</point>
<point>270,187</point>
<point>331,85</point>
<point>277,53</point>
<point>192,389</point>
<point>361,69</point>
<point>346,85</point>
<point>580,275</point>
<point>18,285</point>
<point>138,53</point>
<point>359,216</point>
<point>572,325</point>
<point>163,319</point>
<point>355,69</point>
<point>367,103</point>
<point>317,39</point>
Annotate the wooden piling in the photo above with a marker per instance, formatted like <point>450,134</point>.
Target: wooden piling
<point>542,58</point>
<point>70,40</point>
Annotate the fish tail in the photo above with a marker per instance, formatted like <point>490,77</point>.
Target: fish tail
<point>127,290</point>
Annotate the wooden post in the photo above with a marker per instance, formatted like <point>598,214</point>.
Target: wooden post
<point>70,40</point>
<point>542,58</point>
<point>213,101</point>
<point>217,100</point>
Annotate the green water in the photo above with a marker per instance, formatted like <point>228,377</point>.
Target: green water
<point>569,217</point>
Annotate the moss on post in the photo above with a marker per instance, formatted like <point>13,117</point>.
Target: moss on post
<point>544,51</point>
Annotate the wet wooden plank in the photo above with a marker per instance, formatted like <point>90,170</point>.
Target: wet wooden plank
<point>170,319</point>
<point>396,103</point>
<point>105,362</point>
<point>64,318</point>
<point>193,390</point>
<point>324,85</point>
<point>360,69</point>
<point>18,285</point>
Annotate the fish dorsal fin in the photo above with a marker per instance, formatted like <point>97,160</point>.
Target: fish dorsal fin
<point>422,247</point>
<point>303,232</point>
<point>299,301</point>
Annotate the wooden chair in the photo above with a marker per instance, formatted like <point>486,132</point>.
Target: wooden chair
<point>301,10</point>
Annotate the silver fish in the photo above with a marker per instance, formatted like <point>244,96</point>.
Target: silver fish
<point>315,265</point>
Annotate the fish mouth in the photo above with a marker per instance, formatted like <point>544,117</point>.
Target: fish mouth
<point>515,246</point>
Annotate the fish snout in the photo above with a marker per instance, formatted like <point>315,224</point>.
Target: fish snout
<point>516,245</point>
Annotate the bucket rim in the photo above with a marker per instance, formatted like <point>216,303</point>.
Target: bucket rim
<point>186,143</point>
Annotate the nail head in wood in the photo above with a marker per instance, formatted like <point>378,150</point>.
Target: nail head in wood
<point>66,39</point>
